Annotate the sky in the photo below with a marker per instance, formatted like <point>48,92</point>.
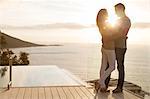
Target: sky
<point>67,20</point>
<point>35,12</point>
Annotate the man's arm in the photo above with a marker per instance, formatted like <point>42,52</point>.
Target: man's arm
<point>122,30</point>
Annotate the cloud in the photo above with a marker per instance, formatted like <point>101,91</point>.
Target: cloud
<point>25,12</point>
<point>33,12</point>
<point>141,25</point>
<point>50,26</point>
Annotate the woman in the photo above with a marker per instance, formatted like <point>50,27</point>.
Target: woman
<point>108,47</point>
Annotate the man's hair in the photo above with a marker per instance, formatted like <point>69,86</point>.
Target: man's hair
<point>120,5</point>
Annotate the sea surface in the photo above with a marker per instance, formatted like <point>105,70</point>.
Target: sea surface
<point>84,59</point>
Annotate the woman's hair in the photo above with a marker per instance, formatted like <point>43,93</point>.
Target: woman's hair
<point>101,15</point>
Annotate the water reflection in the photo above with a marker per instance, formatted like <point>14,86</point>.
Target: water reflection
<point>45,75</point>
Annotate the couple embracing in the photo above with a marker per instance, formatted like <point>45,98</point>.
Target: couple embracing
<point>114,46</point>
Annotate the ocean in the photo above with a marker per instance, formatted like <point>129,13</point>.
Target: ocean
<point>84,59</point>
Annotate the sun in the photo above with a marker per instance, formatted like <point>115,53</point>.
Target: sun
<point>112,20</point>
<point>112,17</point>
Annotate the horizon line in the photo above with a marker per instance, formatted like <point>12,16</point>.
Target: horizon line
<point>69,25</point>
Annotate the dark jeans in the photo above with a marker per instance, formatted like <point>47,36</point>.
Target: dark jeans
<point>120,55</point>
<point>108,78</point>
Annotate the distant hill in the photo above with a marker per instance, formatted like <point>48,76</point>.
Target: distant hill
<point>7,41</point>
<point>48,26</point>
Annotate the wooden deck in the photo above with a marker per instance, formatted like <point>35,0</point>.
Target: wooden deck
<point>47,93</point>
<point>61,93</point>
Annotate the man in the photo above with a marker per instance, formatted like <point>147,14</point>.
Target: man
<point>120,37</point>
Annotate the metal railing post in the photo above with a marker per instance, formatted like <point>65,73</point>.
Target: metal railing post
<point>10,74</point>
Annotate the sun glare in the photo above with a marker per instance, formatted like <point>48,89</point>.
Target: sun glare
<point>112,17</point>
<point>112,20</point>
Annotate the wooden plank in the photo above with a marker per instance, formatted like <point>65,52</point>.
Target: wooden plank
<point>91,90</point>
<point>34,94</point>
<point>80,92</point>
<point>48,93</point>
<point>21,93</point>
<point>55,93</point>
<point>87,92</point>
<point>106,95</point>
<point>74,93</point>
<point>14,93</point>
<point>68,93</point>
<point>41,93</point>
<point>5,94</point>
<point>129,95</point>
<point>121,96</point>
<point>2,95</point>
<point>61,93</point>
<point>27,94</point>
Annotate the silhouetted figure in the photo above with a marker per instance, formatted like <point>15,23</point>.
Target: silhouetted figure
<point>120,37</point>
<point>108,48</point>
